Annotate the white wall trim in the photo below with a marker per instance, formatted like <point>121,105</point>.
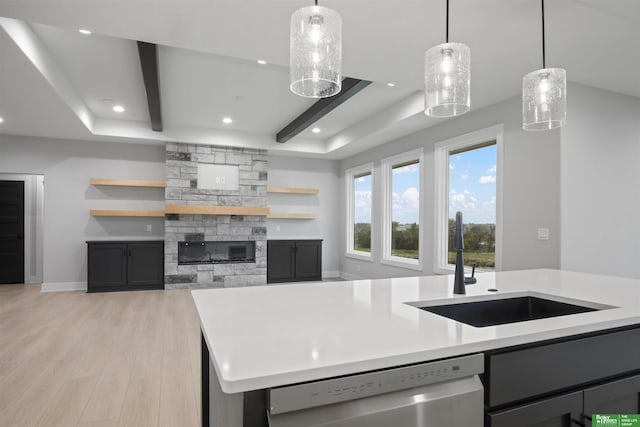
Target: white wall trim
<point>349,276</point>
<point>441,205</point>
<point>63,286</point>
<point>387,195</point>
<point>360,256</point>
<point>350,175</point>
<point>330,274</point>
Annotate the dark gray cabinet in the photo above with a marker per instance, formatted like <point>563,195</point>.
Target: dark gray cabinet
<point>573,409</point>
<point>125,266</point>
<point>294,260</point>
<point>564,383</point>
<point>614,397</point>
<point>559,411</point>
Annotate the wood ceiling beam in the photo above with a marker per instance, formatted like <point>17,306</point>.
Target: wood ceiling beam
<point>321,108</point>
<point>148,53</point>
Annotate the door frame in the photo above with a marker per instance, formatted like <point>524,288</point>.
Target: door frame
<point>33,224</point>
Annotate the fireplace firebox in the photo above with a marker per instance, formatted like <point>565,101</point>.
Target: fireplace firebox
<point>190,253</point>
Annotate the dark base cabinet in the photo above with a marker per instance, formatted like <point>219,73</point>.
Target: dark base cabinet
<point>294,260</point>
<point>564,383</point>
<point>125,266</point>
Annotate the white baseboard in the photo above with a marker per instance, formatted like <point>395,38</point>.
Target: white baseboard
<point>349,276</point>
<point>63,286</point>
<point>328,274</point>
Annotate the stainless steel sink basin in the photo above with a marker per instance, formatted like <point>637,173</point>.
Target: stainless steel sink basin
<point>506,310</point>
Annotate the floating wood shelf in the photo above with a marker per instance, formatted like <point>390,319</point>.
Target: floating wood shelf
<point>215,210</point>
<point>291,190</point>
<point>96,212</point>
<point>127,183</point>
<point>287,215</point>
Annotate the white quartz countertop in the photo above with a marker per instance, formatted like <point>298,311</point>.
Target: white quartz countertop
<point>261,337</point>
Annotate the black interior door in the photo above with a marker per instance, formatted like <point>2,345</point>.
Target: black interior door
<point>11,232</point>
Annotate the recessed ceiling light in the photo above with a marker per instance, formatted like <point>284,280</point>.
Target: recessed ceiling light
<point>118,108</point>
<point>227,120</point>
<point>391,84</point>
<point>1,120</point>
<point>84,31</point>
<point>315,130</point>
<point>261,62</point>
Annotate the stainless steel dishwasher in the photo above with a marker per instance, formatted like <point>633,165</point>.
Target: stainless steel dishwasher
<point>442,393</point>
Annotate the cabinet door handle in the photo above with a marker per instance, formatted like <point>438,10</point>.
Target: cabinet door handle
<point>129,252</point>
<point>124,252</point>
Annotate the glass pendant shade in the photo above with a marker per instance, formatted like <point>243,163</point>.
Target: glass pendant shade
<point>447,80</point>
<point>544,99</point>
<point>316,52</point>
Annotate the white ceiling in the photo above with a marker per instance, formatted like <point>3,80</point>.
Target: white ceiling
<point>64,84</point>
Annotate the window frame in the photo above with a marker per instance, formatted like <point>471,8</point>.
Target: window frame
<point>350,175</point>
<point>441,205</point>
<point>387,214</point>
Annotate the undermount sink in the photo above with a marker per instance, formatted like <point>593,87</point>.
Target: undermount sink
<point>506,310</point>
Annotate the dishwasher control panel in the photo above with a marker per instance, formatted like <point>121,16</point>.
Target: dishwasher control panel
<point>326,392</point>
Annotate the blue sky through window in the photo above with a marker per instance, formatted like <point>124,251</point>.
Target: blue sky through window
<point>405,186</point>
<point>472,185</point>
<point>362,199</point>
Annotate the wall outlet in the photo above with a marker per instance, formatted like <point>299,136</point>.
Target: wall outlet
<point>543,234</point>
<point>149,228</point>
<point>358,268</point>
<point>277,228</point>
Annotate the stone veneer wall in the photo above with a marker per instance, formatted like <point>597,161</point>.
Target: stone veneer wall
<point>182,189</point>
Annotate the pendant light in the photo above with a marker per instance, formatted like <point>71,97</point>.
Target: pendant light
<point>447,78</point>
<point>544,95</point>
<point>316,52</point>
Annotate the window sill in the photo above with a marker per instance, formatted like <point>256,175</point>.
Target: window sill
<point>361,256</point>
<point>451,269</point>
<point>403,263</point>
<point>444,270</point>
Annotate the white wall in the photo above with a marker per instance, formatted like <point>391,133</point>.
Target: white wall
<point>601,183</point>
<point>531,193</point>
<point>307,173</point>
<point>33,223</point>
<point>67,167</point>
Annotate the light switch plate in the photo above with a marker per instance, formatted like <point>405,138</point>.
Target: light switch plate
<point>543,234</point>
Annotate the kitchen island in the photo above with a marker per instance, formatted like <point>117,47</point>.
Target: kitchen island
<point>255,339</point>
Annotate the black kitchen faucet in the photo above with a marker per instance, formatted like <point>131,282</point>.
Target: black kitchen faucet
<point>460,281</point>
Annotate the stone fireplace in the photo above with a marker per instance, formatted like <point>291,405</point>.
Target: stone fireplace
<point>209,250</point>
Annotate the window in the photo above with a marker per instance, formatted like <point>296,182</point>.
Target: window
<point>468,171</point>
<point>402,242</point>
<point>359,207</point>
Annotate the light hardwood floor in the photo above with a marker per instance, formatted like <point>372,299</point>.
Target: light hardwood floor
<point>108,359</point>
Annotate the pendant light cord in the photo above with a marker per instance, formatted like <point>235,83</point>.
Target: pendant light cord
<point>447,27</point>
<point>316,2</point>
<point>544,59</point>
